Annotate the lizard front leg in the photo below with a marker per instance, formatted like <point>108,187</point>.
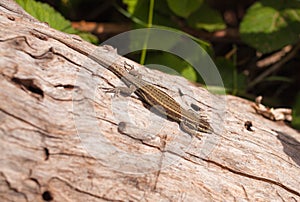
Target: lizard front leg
<point>121,90</point>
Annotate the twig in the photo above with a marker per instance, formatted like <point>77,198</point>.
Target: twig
<point>275,67</point>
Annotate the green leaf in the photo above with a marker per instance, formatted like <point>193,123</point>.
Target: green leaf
<point>131,5</point>
<point>189,73</point>
<point>206,18</point>
<point>270,25</point>
<point>184,8</point>
<point>45,13</point>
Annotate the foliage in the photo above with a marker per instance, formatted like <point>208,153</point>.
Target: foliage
<point>46,13</point>
<point>188,9</point>
<point>206,18</point>
<point>196,12</point>
<point>184,8</point>
<point>233,82</point>
<point>270,25</point>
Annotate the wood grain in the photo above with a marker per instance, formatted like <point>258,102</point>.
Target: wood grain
<point>59,135</point>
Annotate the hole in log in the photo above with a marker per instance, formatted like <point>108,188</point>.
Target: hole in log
<point>30,85</point>
<point>46,150</point>
<point>47,196</point>
<point>67,86</point>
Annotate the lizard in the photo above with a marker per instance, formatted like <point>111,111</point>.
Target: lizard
<point>190,122</point>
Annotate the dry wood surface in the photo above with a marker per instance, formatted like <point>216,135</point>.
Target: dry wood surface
<point>63,138</point>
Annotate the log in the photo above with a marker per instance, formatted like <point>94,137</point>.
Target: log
<point>62,138</point>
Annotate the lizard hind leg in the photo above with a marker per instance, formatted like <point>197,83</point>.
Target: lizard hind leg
<point>190,129</point>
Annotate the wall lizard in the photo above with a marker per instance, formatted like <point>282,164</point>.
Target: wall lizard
<point>189,121</point>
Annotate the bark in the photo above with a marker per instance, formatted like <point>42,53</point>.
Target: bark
<point>63,138</point>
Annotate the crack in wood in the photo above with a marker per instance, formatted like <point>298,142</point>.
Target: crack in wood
<point>14,189</point>
<point>83,191</point>
<point>253,177</point>
<point>25,121</point>
<point>30,85</point>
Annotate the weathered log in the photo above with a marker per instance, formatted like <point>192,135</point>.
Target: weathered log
<point>59,133</point>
